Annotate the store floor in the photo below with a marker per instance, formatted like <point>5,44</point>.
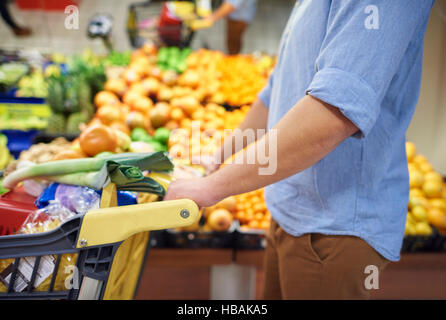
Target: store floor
<point>50,34</point>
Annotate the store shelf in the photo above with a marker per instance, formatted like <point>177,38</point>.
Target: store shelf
<point>184,274</point>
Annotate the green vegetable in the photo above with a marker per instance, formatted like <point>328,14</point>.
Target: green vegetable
<point>104,154</point>
<point>145,185</point>
<point>124,174</point>
<point>173,58</point>
<point>158,146</point>
<point>138,134</point>
<point>157,161</point>
<point>2,190</point>
<point>126,178</point>
<point>162,135</point>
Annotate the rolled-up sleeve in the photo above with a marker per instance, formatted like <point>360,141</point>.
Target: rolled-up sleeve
<point>235,3</point>
<point>361,52</point>
<point>265,94</point>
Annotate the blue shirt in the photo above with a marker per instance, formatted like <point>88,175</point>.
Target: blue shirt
<point>366,61</point>
<point>245,10</point>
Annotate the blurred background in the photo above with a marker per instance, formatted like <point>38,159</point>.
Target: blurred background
<point>48,35</point>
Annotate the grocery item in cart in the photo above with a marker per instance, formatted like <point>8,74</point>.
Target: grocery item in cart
<point>42,220</point>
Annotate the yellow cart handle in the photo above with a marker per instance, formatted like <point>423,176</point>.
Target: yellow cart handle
<point>111,224</point>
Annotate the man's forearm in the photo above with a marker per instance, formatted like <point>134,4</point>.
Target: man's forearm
<point>256,118</point>
<point>223,11</point>
<point>305,135</point>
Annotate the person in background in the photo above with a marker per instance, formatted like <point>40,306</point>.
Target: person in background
<point>239,14</point>
<point>18,31</point>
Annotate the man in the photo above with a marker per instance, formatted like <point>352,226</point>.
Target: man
<point>239,14</point>
<point>340,100</point>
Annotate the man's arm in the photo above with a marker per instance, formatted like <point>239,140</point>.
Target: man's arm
<point>256,118</point>
<point>305,135</point>
<point>222,12</point>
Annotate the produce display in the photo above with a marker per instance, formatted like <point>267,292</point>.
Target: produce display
<point>10,73</point>
<point>251,210</point>
<point>173,58</point>
<point>116,58</point>
<point>138,110</point>
<point>5,155</point>
<point>70,95</point>
<point>241,79</point>
<point>32,85</point>
<point>44,152</point>
<point>427,202</point>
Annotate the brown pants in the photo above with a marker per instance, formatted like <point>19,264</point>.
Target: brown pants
<point>316,266</point>
<point>234,34</point>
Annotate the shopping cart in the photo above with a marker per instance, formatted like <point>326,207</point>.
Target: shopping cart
<point>108,245</point>
<point>153,22</point>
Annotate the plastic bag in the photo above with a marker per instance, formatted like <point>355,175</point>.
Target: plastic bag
<point>77,199</point>
<point>42,220</point>
<point>46,219</point>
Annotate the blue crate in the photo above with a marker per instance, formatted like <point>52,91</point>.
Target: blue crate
<point>19,140</point>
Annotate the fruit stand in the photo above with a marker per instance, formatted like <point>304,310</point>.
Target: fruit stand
<point>169,101</point>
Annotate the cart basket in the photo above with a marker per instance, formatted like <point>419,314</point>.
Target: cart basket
<point>34,261</point>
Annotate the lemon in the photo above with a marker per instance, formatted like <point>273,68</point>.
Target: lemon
<point>416,179</point>
<point>414,201</point>
<point>419,159</point>
<point>425,167</point>
<point>423,228</point>
<point>433,176</point>
<point>416,192</point>
<point>437,218</point>
<point>432,188</point>
<point>412,166</point>
<point>409,218</point>
<point>410,229</point>
<point>419,213</point>
<point>411,150</point>
<point>438,203</point>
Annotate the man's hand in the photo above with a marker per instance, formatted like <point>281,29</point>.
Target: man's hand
<point>199,190</point>
<point>210,163</point>
<point>201,23</point>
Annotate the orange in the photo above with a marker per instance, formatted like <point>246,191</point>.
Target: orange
<point>131,96</point>
<point>121,126</point>
<point>142,104</point>
<point>258,207</point>
<point>240,206</point>
<point>186,123</point>
<point>108,114</point>
<point>249,216</point>
<point>116,85</point>
<point>130,76</point>
<point>105,98</point>
<point>254,224</point>
<point>241,216</point>
<point>177,114</point>
<point>264,224</point>
<point>258,216</point>
<point>256,199</point>
<point>98,138</point>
